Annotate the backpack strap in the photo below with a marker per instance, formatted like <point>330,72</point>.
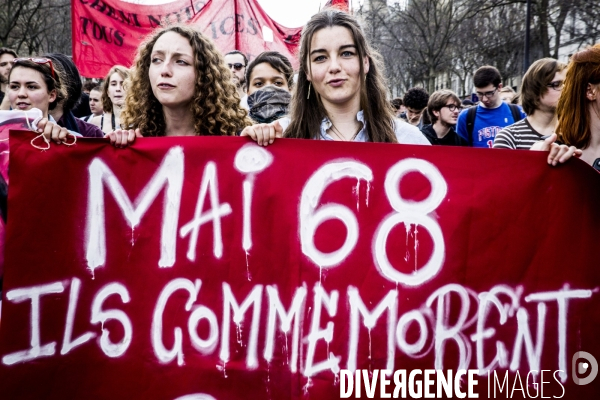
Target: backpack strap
<point>471,114</point>
<point>516,112</point>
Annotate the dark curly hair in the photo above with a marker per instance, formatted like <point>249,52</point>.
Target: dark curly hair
<point>216,105</point>
<point>416,98</point>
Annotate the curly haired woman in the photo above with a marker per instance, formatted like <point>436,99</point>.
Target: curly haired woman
<point>179,86</point>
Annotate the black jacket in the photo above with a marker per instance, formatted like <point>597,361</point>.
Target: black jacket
<point>451,138</point>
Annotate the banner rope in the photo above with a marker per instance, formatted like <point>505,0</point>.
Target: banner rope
<point>32,128</point>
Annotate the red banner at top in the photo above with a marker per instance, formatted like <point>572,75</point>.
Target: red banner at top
<point>339,4</point>
<point>108,32</point>
<point>212,268</point>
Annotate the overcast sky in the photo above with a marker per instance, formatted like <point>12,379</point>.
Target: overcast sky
<point>291,13</point>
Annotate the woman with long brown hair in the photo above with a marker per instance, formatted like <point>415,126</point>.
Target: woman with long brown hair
<point>179,87</point>
<point>578,108</point>
<point>341,91</point>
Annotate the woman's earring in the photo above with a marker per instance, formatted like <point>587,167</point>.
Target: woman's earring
<point>309,86</point>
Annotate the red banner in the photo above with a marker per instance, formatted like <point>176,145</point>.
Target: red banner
<point>339,4</point>
<point>108,32</point>
<point>11,119</point>
<point>212,268</point>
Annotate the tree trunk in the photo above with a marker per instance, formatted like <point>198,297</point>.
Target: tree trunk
<point>543,26</point>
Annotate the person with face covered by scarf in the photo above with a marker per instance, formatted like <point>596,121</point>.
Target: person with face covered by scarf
<point>270,78</point>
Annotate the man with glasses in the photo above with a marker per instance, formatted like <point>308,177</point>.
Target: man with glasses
<point>6,58</point>
<point>443,108</point>
<point>236,61</point>
<point>479,125</point>
<point>540,91</point>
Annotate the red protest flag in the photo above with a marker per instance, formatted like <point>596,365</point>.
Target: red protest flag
<point>108,32</point>
<point>343,5</point>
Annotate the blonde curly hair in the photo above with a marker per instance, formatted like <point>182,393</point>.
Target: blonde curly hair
<point>215,106</point>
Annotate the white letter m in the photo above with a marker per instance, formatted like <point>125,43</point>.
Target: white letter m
<point>169,174</point>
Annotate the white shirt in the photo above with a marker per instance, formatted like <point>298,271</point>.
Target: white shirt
<point>405,132</point>
<point>244,102</point>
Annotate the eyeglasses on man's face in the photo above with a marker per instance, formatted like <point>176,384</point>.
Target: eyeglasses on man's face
<point>40,61</point>
<point>236,66</point>
<point>452,107</point>
<point>486,94</point>
<point>556,85</point>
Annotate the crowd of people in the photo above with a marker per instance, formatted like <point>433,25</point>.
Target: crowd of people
<point>180,84</point>
<point>556,109</point>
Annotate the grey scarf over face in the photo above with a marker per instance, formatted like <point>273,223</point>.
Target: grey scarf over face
<point>268,104</point>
